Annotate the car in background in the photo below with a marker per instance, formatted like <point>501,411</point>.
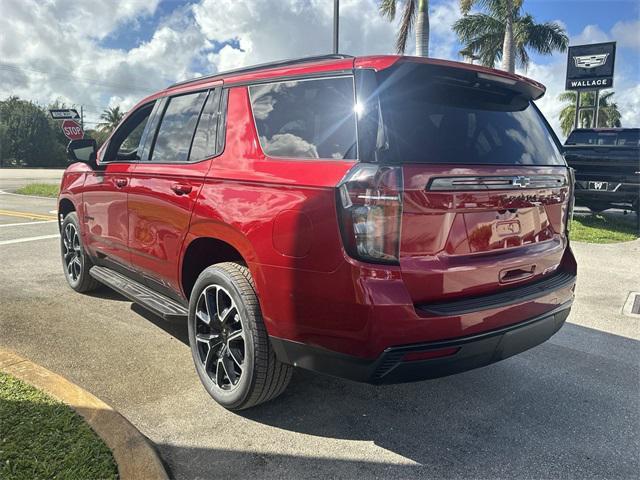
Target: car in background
<point>382,219</point>
<point>607,167</point>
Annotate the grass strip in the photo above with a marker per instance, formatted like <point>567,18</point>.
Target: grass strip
<point>604,228</point>
<point>42,438</point>
<point>49,190</point>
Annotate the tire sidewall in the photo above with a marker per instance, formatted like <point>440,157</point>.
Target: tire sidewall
<point>72,218</point>
<point>217,276</point>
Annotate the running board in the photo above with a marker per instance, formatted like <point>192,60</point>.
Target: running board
<point>153,301</point>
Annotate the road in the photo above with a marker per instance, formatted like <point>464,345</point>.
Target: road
<point>12,178</point>
<point>566,409</point>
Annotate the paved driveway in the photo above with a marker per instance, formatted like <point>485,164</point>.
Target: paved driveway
<point>566,409</point>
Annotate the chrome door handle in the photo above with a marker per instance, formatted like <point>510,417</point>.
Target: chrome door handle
<point>181,189</point>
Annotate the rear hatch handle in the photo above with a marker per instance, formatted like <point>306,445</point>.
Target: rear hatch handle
<point>515,274</point>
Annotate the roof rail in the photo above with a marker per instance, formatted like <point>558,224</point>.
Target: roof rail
<point>261,66</point>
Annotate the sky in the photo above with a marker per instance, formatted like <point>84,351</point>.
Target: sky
<point>115,52</point>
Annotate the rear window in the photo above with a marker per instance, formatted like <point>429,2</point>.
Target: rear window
<point>628,138</point>
<point>306,119</point>
<point>440,119</point>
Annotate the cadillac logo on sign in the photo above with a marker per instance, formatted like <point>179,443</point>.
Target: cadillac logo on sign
<point>591,61</point>
<point>590,67</point>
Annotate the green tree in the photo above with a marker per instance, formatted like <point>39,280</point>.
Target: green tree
<point>110,117</point>
<point>56,128</point>
<point>608,114</point>
<point>27,136</point>
<point>505,33</point>
<point>98,135</point>
<point>415,14</point>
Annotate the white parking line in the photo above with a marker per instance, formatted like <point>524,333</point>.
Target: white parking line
<point>26,223</point>
<point>27,239</point>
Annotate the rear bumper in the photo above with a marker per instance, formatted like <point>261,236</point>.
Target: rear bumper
<point>393,366</point>
<point>618,193</point>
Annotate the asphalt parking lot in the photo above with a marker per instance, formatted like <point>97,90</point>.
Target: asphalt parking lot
<point>566,409</point>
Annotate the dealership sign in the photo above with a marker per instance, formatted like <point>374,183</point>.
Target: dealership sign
<point>590,67</point>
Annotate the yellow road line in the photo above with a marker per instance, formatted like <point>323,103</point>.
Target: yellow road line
<point>33,216</point>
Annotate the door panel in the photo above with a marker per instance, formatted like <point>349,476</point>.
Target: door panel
<point>164,187</point>
<point>161,199</point>
<point>105,218</point>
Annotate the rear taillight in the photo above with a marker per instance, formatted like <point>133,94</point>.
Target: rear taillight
<point>369,211</point>
<point>572,198</point>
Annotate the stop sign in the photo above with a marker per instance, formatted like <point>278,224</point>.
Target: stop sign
<point>72,130</point>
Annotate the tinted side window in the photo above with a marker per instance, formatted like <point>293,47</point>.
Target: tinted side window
<point>125,142</point>
<point>176,129</point>
<point>204,140</point>
<point>629,138</point>
<point>306,118</point>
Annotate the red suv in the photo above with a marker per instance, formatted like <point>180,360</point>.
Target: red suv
<point>382,219</point>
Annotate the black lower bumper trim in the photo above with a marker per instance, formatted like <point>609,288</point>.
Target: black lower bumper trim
<point>506,297</point>
<point>473,352</point>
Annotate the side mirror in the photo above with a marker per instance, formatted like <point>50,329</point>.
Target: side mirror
<point>82,151</point>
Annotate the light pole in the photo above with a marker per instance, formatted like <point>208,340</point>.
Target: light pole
<point>336,24</point>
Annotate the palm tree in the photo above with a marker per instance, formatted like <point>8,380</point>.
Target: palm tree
<point>608,114</point>
<point>112,117</point>
<point>415,11</point>
<point>505,33</point>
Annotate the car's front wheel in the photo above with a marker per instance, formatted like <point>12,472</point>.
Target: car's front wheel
<point>229,342</point>
<point>75,261</point>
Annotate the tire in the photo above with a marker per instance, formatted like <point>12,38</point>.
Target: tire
<point>75,262</point>
<point>233,357</point>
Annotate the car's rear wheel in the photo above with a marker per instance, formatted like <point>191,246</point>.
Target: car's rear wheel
<point>229,342</point>
<point>75,261</point>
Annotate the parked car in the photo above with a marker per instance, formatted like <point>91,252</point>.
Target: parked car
<point>382,219</point>
<point>607,167</point>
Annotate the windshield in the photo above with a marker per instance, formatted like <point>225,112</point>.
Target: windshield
<point>443,119</point>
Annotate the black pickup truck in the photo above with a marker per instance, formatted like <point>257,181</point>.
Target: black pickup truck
<point>607,167</point>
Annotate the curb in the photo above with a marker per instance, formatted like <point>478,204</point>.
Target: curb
<point>133,452</point>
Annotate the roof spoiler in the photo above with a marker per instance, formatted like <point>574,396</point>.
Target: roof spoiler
<point>476,74</point>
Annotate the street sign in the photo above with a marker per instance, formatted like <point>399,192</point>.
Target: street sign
<point>64,114</point>
<point>72,130</point>
<point>590,67</point>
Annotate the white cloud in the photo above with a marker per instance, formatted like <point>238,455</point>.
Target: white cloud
<point>290,28</point>
<point>627,34</point>
<point>443,42</point>
<point>631,99</point>
<point>53,50</point>
<point>590,34</point>
<point>552,76</point>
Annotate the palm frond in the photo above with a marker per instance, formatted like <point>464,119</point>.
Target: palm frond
<point>545,38</point>
<point>387,9</point>
<point>567,97</point>
<point>605,97</point>
<point>406,25</point>
<point>474,30</point>
<point>482,35</point>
